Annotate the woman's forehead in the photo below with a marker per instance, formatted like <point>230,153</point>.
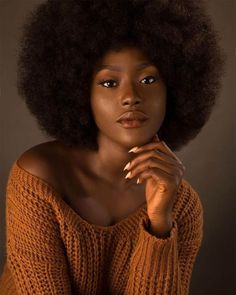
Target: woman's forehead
<point>118,60</point>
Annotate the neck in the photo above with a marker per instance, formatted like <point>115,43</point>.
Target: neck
<point>109,162</point>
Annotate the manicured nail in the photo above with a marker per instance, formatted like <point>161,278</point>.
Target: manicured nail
<point>138,180</point>
<point>128,175</point>
<point>133,149</point>
<point>127,166</point>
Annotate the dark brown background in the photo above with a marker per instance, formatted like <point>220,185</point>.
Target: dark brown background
<point>209,159</point>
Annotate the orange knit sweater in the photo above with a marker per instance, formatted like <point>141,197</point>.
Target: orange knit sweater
<point>53,250</point>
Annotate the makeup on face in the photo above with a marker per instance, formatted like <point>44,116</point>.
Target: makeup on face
<point>128,97</point>
<point>132,119</point>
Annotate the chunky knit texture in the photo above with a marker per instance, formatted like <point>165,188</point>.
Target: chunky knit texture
<point>53,250</point>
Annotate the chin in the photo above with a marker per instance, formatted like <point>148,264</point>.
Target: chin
<point>131,141</point>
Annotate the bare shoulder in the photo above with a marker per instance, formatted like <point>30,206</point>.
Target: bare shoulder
<point>39,160</point>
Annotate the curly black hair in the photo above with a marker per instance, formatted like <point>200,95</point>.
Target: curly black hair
<point>63,40</point>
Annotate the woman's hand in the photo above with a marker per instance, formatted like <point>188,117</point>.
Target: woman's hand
<point>163,173</point>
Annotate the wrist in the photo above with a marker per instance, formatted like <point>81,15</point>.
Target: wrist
<point>159,228</point>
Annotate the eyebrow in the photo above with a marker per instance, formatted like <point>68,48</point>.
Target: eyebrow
<point>120,69</point>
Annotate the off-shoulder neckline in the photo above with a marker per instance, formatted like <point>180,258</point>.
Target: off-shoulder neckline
<point>73,215</point>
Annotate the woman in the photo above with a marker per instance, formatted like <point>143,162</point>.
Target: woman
<point>104,207</point>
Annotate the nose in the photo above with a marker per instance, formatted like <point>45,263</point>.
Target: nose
<point>130,96</point>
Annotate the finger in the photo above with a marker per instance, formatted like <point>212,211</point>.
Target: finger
<point>155,174</point>
<point>161,145</point>
<point>158,175</point>
<point>153,163</point>
<point>152,154</point>
<point>170,151</point>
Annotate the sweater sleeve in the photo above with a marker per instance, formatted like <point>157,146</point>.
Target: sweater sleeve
<point>164,266</point>
<point>35,255</point>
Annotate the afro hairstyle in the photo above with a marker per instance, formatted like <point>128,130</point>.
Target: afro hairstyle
<point>63,40</point>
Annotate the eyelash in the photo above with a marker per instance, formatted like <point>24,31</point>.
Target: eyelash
<point>108,80</point>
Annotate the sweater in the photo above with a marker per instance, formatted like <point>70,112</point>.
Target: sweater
<point>52,250</point>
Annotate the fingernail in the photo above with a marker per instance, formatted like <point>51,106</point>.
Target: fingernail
<point>138,180</point>
<point>127,166</point>
<point>128,175</point>
<point>133,149</point>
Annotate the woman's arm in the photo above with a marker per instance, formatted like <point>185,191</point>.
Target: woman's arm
<point>164,266</point>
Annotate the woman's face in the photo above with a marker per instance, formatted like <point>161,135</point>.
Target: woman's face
<point>121,83</point>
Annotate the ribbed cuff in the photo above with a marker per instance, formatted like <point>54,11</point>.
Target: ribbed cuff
<point>154,256</point>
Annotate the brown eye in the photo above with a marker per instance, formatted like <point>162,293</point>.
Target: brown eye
<point>108,82</point>
<point>149,78</point>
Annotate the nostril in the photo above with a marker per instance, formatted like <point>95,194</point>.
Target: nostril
<point>131,100</point>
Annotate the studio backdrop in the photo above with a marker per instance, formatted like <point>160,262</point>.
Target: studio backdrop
<point>209,158</point>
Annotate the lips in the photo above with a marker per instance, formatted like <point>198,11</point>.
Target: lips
<point>132,116</point>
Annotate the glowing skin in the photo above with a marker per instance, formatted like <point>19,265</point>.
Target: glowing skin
<point>127,89</point>
<point>140,89</point>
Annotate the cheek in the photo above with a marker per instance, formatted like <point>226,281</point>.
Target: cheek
<point>159,112</point>
<point>158,108</point>
<point>102,111</point>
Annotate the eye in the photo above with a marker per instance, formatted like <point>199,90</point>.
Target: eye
<point>107,82</point>
<point>153,78</point>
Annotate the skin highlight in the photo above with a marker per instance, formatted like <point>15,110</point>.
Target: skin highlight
<point>115,92</point>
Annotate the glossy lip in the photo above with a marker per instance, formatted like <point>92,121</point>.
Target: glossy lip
<point>133,116</point>
<point>132,123</point>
